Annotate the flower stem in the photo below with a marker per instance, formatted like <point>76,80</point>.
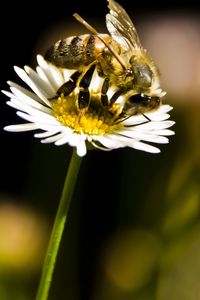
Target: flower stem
<point>58,227</point>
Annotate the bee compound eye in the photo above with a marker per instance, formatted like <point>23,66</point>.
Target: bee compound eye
<point>139,98</point>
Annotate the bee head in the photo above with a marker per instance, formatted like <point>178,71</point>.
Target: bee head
<point>138,76</point>
<point>141,103</point>
<point>141,71</point>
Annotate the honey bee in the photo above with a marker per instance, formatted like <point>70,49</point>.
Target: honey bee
<point>119,59</point>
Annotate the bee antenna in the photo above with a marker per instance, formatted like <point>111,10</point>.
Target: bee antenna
<point>93,30</point>
<point>147,118</point>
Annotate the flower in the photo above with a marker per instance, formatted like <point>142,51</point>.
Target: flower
<point>61,122</point>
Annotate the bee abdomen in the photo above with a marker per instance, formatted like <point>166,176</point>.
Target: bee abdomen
<point>66,53</point>
<point>76,52</point>
<point>73,52</point>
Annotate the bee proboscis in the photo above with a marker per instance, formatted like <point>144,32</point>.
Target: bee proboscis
<point>119,59</point>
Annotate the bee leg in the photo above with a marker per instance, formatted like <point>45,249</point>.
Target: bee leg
<point>70,85</point>
<point>122,117</point>
<point>104,97</point>
<point>131,125</point>
<point>84,94</point>
<point>116,95</point>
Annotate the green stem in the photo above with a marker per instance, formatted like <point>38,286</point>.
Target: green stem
<point>58,227</point>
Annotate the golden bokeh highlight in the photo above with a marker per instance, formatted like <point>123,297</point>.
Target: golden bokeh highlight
<point>23,239</point>
<point>130,258</point>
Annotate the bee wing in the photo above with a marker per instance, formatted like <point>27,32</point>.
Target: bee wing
<point>121,27</point>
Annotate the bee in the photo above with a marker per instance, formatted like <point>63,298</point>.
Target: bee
<point>119,59</point>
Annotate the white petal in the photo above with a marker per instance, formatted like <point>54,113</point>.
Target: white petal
<point>154,138</point>
<point>134,120</point>
<point>45,134</point>
<point>158,117</point>
<point>31,110</point>
<point>51,72</point>
<point>109,142</point>
<point>155,125</point>
<point>164,132</point>
<point>43,76</point>
<point>22,74</point>
<point>53,139</point>
<point>65,139</point>
<point>96,83</point>
<point>50,127</point>
<point>25,116</point>
<point>74,139</point>
<point>145,147</point>
<point>13,105</point>
<point>25,91</point>
<point>59,80</point>
<point>31,102</point>
<point>81,148</point>
<point>78,141</point>
<point>43,119</point>
<point>134,143</point>
<point>39,82</point>
<point>8,94</point>
<point>21,127</point>
<point>164,108</point>
<point>41,62</point>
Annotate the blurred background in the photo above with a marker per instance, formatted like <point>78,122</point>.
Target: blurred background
<point>134,224</point>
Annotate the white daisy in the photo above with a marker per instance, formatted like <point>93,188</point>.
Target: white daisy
<point>61,122</point>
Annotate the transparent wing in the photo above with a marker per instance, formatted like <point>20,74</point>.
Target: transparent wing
<point>121,27</point>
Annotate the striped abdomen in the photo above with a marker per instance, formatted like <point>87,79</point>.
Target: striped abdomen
<point>76,51</point>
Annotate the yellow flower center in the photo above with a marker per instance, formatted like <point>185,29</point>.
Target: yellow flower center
<point>94,120</point>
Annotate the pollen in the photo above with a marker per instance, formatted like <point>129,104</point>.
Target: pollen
<point>93,120</point>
